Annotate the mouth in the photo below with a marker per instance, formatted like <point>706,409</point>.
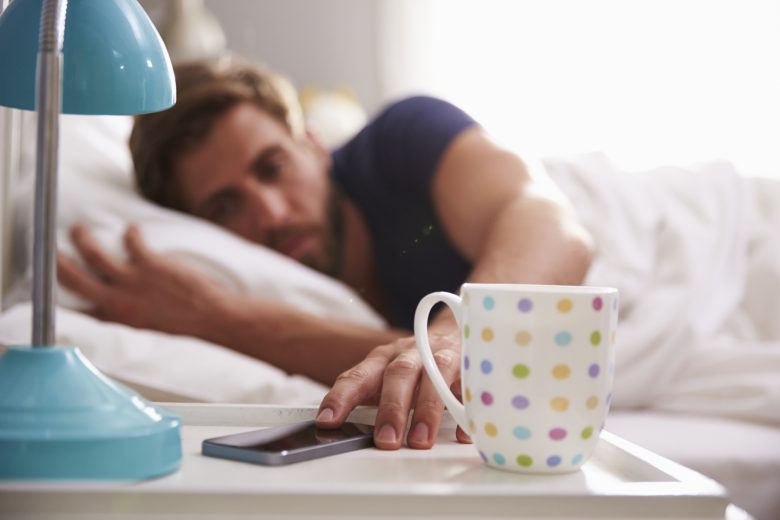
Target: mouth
<point>298,245</point>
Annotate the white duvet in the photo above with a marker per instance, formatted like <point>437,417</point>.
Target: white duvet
<point>695,254</point>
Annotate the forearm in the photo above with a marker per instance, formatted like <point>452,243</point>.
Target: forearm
<point>534,240</point>
<point>294,341</point>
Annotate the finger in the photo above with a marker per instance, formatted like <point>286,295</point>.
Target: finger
<point>97,313</point>
<point>462,436</point>
<point>136,245</point>
<point>429,408</point>
<point>79,280</point>
<point>94,256</point>
<point>353,387</point>
<point>398,390</point>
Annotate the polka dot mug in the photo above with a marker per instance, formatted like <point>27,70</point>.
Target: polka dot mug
<point>536,370</point>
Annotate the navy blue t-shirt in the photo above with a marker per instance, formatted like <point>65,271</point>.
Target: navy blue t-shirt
<point>387,170</point>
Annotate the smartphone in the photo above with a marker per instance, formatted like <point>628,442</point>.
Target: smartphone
<point>289,443</point>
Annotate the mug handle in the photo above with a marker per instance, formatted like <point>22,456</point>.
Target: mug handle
<point>457,410</point>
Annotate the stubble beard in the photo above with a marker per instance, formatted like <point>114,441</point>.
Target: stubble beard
<point>327,259</point>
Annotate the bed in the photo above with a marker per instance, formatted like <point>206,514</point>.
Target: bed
<point>713,405</point>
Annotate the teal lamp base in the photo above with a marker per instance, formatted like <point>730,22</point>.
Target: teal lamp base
<point>60,418</point>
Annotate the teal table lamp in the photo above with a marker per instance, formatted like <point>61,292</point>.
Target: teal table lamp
<point>59,416</point>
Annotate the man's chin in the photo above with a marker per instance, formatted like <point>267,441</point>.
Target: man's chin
<point>316,262</point>
<point>315,252</point>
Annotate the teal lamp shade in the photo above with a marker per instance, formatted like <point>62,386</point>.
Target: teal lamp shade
<point>114,61</point>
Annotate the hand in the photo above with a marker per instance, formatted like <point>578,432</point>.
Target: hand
<point>393,374</point>
<point>147,291</point>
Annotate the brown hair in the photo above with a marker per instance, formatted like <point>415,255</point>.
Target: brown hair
<point>204,93</point>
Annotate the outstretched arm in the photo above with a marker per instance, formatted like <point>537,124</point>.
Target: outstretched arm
<point>515,228</point>
<point>151,291</point>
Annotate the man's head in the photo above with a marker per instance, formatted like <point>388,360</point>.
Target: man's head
<point>233,150</point>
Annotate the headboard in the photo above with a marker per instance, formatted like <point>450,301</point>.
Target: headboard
<point>10,132</point>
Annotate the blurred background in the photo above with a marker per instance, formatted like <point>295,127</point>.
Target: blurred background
<point>646,81</point>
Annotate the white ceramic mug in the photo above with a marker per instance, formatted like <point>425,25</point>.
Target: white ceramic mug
<point>536,370</point>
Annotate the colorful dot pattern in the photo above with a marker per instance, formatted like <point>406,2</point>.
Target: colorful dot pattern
<point>537,374</point>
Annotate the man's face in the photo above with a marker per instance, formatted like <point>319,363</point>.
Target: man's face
<point>253,178</point>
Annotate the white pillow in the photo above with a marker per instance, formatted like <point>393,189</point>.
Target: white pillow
<point>96,188</point>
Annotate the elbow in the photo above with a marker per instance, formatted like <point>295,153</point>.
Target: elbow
<point>580,252</point>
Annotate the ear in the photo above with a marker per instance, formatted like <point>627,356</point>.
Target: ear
<point>316,143</point>
<point>318,147</point>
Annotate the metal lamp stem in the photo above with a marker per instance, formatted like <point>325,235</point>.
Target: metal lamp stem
<point>48,96</point>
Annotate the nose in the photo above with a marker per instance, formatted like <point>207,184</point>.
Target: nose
<point>269,206</point>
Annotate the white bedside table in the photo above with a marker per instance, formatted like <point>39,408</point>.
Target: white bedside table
<point>449,481</point>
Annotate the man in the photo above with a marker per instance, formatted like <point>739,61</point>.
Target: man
<point>420,200</point>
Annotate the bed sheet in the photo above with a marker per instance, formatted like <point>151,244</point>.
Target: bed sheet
<point>166,367</point>
<point>694,251</point>
<point>678,243</point>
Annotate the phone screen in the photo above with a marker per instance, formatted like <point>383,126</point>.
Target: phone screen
<point>289,443</point>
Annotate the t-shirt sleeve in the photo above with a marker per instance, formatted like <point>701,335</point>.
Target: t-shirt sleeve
<point>410,136</point>
<point>387,170</point>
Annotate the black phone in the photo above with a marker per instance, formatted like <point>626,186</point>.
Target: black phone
<point>289,443</point>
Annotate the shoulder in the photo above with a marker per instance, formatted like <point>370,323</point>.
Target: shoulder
<point>419,110</point>
<point>418,127</point>
<point>411,104</point>
<point>414,118</point>
<point>403,143</point>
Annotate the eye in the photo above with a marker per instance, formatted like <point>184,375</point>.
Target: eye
<point>269,171</point>
<point>270,168</point>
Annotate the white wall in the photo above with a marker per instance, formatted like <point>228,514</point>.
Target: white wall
<point>326,43</point>
<point>647,81</point>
